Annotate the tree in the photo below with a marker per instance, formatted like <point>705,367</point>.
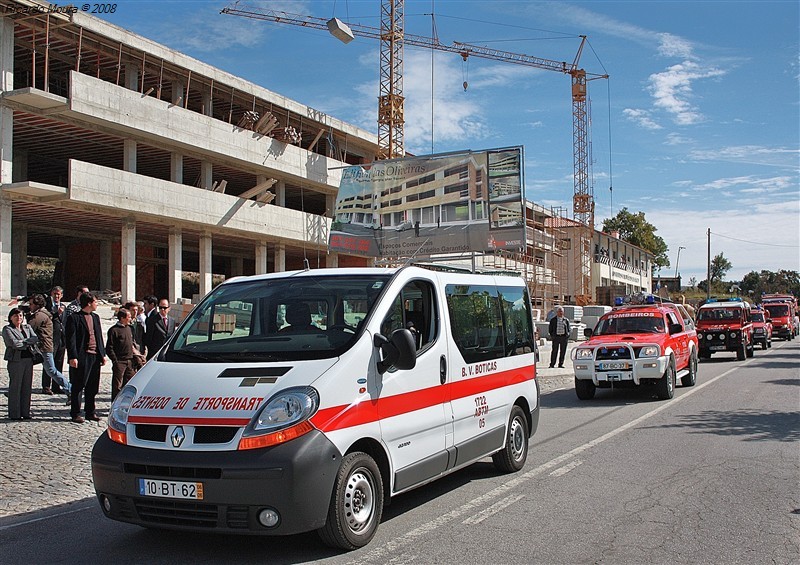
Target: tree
<point>693,282</point>
<point>635,229</point>
<point>770,282</point>
<point>719,266</point>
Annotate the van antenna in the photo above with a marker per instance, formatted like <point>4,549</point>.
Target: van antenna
<point>411,258</point>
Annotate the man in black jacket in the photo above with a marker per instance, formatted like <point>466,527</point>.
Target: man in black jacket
<point>559,333</point>
<point>86,354</point>
<point>160,327</point>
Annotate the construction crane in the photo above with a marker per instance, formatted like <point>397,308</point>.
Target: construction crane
<point>391,101</point>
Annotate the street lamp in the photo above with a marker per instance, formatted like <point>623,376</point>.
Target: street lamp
<point>676,261</point>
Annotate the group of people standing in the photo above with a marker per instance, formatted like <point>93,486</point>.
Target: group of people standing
<point>53,331</point>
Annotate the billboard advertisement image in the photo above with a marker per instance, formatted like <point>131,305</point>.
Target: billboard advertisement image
<point>445,204</point>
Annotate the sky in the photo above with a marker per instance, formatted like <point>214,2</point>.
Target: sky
<point>697,126</point>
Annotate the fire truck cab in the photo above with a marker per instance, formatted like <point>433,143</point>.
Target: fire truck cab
<point>782,309</point>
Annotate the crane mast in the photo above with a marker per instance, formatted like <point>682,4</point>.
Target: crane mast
<point>391,103</point>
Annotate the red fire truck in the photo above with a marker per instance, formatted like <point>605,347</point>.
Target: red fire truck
<point>782,308</point>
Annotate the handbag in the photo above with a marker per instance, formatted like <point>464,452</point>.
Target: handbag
<point>37,354</point>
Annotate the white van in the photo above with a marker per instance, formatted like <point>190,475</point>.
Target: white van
<point>301,401</point>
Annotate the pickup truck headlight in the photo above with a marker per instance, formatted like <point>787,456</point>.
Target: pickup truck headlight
<point>282,418</point>
<point>584,353</point>
<point>650,351</point>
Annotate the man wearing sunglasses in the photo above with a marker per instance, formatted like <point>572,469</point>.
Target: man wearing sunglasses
<point>159,327</point>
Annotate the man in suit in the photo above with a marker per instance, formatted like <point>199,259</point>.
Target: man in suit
<point>159,328</point>
<point>559,333</point>
<point>86,354</point>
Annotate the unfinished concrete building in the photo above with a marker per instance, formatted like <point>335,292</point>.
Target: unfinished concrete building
<point>132,163</point>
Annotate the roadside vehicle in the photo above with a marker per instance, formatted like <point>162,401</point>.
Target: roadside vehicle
<point>404,225</point>
<point>642,343</point>
<point>782,308</point>
<point>762,327</point>
<point>333,391</point>
<point>724,325</point>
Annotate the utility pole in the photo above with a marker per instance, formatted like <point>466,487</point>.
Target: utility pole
<point>708,272</point>
<point>678,260</point>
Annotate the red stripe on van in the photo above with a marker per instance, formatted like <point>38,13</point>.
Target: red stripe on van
<point>239,422</point>
<point>367,411</point>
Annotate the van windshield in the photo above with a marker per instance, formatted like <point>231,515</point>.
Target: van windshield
<point>289,319</point>
<point>720,314</point>
<point>777,310</point>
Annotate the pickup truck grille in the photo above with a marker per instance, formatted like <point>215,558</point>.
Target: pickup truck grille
<point>612,353</point>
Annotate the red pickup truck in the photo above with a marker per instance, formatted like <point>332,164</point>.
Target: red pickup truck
<point>638,344</point>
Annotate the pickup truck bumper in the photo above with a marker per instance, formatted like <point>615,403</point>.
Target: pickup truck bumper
<point>605,372</point>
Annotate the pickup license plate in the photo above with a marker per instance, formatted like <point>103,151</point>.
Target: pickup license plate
<point>171,489</point>
<point>611,365</point>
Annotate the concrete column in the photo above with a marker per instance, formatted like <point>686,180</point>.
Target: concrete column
<point>127,254</point>
<point>105,264</point>
<point>5,248</point>
<point>237,266</point>
<point>175,265</point>
<point>330,205</point>
<point>20,166</point>
<point>261,257</point>
<point>132,76</point>
<point>208,102</point>
<point>6,54</point>
<point>176,168</point>
<point>280,258</point>
<point>177,93</point>
<point>280,193</point>
<point>332,260</point>
<point>19,260</point>
<point>129,156</point>
<point>206,175</point>
<point>205,263</point>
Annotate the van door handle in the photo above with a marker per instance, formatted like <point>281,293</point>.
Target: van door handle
<point>442,369</point>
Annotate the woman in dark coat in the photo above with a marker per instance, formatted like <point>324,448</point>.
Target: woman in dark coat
<point>18,337</point>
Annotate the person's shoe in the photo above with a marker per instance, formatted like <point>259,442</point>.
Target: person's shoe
<point>561,366</point>
<point>552,366</point>
<point>93,418</point>
<point>47,391</point>
<point>78,419</point>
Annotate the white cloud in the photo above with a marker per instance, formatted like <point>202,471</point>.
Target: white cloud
<point>750,154</point>
<point>677,139</point>
<point>674,46</point>
<point>672,90</point>
<point>641,117</point>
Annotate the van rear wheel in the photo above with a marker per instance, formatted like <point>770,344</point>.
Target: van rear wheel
<point>514,453</point>
<point>356,504</point>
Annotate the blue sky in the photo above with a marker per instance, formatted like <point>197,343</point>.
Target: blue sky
<point>698,126</point>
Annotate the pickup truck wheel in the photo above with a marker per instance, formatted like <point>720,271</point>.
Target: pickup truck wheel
<point>751,350</point>
<point>584,389</point>
<point>764,344</point>
<point>356,504</point>
<point>769,343</point>
<point>514,453</point>
<point>665,387</point>
<point>741,353</point>
<point>691,378</point>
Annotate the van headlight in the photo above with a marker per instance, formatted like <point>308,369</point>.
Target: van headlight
<point>650,351</point>
<point>283,417</point>
<point>118,415</point>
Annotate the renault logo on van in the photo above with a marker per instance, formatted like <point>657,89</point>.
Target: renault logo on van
<point>177,436</point>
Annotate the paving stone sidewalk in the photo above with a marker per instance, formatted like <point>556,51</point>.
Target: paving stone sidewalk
<point>46,461</point>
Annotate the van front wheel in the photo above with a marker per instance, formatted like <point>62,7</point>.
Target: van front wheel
<point>356,504</point>
<point>514,453</point>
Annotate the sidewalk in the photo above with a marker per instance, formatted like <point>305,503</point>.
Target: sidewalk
<point>46,461</point>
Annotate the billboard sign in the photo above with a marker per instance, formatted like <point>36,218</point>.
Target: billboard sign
<point>444,204</point>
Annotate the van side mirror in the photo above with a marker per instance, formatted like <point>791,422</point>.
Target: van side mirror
<point>399,350</point>
<point>675,328</point>
<point>587,332</point>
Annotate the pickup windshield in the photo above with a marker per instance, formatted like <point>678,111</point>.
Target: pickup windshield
<point>759,317</point>
<point>289,319</point>
<point>719,314</point>
<point>628,324</point>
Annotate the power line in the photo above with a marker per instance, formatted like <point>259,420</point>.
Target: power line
<point>755,242</point>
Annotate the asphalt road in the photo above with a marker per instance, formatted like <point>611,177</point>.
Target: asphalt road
<point>710,476</point>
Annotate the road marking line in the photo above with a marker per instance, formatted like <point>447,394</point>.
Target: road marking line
<point>492,510</point>
<point>381,554</point>
<point>566,468</point>
<point>33,520</point>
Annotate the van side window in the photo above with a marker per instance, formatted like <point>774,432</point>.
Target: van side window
<point>488,322</point>
<point>414,309</point>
